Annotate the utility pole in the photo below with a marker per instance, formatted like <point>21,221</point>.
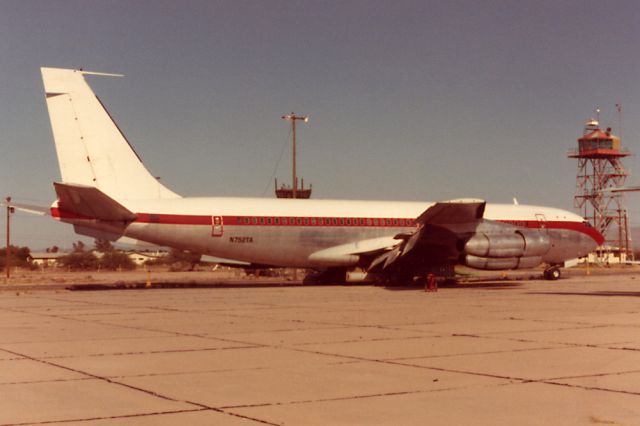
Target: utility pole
<point>293,117</point>
<point>8,253</point>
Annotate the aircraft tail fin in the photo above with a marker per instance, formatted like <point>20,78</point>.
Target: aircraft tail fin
<point>91,149</point>
<point>86,202</point>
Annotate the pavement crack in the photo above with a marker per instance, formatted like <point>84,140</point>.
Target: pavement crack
<point>102,378</point>
<point>169,351</point>
<point>341,398</point>
<point>88,419</point>
<point>585,387</point>
<point>449,355</point>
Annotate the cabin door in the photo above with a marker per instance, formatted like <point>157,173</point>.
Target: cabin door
<point>217,226</point>
<point>542,221</point>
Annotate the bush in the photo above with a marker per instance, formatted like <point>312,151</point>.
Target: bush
<point>116,260</point>
<point>18,256</point>
<point>177,260</point>
<point>80,261</point>
<point>103,246</point>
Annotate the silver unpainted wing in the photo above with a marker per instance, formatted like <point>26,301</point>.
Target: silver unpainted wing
<point>436,238</point>
<point>380,253</point>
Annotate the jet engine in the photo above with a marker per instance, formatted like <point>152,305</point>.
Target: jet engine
<point>498,263</point>
<point>517,250</point>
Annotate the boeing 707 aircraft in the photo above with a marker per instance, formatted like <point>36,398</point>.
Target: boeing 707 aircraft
<point>106,192</point>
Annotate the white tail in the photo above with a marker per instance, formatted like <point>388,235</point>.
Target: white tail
<point>91,149</point>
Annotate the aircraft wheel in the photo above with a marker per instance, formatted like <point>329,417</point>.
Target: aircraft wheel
<point>552,273</point>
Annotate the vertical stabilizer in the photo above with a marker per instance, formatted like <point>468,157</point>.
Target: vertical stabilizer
<point>91,149</point>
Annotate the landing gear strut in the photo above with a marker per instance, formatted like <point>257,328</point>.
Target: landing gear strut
<point>552,273</point>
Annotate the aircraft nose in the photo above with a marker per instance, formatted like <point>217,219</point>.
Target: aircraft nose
<point>592,241</point>
<point>598,240</point>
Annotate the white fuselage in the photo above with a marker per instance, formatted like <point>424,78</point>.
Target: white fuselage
<point>285,232</point>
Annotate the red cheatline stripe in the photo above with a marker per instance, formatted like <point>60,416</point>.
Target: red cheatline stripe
<point>173,219</point>
<point>568,225</point>
<point>276,220</point>
<point>282,221</point>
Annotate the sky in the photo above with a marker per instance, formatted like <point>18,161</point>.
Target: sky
<point>408,100</point>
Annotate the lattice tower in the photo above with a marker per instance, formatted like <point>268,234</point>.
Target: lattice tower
<point>600,170</point>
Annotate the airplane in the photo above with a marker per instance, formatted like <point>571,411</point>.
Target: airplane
<point>106,192</point>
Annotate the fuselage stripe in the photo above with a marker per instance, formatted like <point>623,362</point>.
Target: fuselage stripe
<point>277,220</point>
<point>323,221</point>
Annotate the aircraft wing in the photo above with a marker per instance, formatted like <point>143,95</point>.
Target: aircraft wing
<point>453,212</point>
<point>436,238</point>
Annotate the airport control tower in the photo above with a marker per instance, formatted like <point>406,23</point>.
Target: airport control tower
<point>600,173</point>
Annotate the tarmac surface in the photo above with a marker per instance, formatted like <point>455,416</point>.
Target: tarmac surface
<point>499,352</point>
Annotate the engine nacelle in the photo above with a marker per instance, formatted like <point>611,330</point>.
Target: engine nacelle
<point>521,243</point>
<point>498,263</point>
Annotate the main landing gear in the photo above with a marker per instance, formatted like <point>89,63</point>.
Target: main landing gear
<point>552,273</point>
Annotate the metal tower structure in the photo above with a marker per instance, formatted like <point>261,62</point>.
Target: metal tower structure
<point>600,174</point>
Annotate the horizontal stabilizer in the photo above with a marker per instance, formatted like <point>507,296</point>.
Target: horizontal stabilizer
<point>91,203</point>
<point>29,208</point>
<point>98,234</point>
